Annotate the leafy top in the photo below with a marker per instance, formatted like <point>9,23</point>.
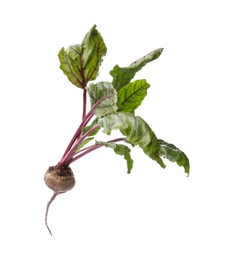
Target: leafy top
<point>113,104</point>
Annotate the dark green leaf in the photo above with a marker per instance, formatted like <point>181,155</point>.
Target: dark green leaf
<point>81,62</point>
<point>99,91</point>
<point>131,95</point>
<point>120,149</point>
<point>122,76</point>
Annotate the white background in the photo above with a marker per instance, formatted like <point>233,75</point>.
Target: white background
<point>193,103</point>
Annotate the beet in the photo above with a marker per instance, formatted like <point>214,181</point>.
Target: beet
<point>60,180</point>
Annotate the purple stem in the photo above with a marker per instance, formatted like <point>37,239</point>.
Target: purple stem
<point>92,148</point>
<point>79,130</point>
<point>70,153</point>
<point>84,122</point>
<point>84,103</point>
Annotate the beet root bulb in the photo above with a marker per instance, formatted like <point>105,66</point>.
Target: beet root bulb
<point>60,180</point>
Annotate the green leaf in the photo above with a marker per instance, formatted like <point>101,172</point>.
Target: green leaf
<point>131,95</point>
<point>121,149</point>
<point>100,91</point>
<point>122,76</point>
<point>81,62</point>
<point>84,142</point>
<point>86,128</point>
<point>173,154</point>
<point>138,132</point>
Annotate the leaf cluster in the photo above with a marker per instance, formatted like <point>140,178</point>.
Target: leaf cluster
<point>114,103</point>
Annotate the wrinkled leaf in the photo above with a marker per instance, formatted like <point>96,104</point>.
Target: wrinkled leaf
<point>173,154</point>
<point>138,132</point>
<point>81,62</point>
<point>120,149</point>
<point>84,142</point>
<point>99,91</point>
<point>131,95</point>
<point>122,76</point>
